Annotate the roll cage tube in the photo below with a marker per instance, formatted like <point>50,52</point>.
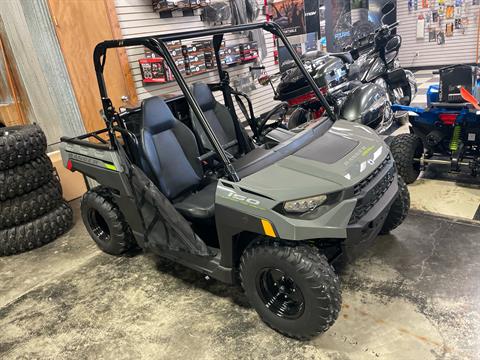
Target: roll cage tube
<point>156,44</point>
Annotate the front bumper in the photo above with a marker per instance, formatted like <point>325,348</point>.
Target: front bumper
<point>361,234</point>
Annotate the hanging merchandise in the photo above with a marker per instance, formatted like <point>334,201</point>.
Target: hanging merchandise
<point>428,19</point>
<point>459,26</point>
<point>458,13</point>
<point>441,38</point>
<point>441,10</point>
<point>217,13</point>
<point>432,35</point>
<point>243,83</point>
<point>247,11</point>
<point>232,55</point>
<point>449,12</point>
<point>248,52</point>
<point>449,29</point>
<point>154,70</point>
<point>420,27</point>
<point>244,11</point>
<point>425,4</point>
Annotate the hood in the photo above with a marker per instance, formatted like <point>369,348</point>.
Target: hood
<point>346,154</point>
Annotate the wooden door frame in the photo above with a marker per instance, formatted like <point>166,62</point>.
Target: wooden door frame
<point>122,53</point>
<point>11,84</point>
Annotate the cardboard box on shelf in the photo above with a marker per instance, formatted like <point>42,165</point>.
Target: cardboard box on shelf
<point>197,68</point>
<point>199,57</point>
<point>154,71</point>
<point>232,55</point>
<point>248,51</point>
<point>163,5</point>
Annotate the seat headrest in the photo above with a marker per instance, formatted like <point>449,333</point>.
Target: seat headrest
<point>157,116</point>
<point>203,95</point>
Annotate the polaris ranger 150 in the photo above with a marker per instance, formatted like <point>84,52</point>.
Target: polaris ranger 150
<point>270,215</point>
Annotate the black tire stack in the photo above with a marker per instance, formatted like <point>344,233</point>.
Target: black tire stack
<point>32,210</point>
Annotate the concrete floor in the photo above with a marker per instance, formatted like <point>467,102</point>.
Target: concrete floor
<point>413,295</point>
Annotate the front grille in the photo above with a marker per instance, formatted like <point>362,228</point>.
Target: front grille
<point>357,189</point>
<point>365,203</point>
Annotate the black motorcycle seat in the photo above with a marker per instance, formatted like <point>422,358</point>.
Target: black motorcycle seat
<point>346,57</point>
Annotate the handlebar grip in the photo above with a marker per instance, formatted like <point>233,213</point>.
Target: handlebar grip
<point>394,25</point>
<point>256,68</point>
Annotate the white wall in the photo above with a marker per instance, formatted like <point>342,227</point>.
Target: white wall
<point>460,48</point>
<point>137,18</point>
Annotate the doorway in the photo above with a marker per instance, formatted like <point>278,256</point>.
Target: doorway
<point>80,27</point>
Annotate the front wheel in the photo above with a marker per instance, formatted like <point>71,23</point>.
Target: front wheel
<point>293,288</point>
<point>405,149</point>
<point>399,210</point>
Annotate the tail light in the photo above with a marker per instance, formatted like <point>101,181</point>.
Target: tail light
<point>305,97</point>
<point>448,119</point>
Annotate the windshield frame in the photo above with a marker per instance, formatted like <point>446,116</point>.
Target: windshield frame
<point>156,43</point>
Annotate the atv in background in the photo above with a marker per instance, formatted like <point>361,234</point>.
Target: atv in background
<point>447,132</point>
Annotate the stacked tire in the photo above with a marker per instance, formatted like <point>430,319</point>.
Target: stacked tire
<point>32,210</point>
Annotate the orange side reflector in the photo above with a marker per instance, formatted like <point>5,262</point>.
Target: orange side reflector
<point>268,228</point>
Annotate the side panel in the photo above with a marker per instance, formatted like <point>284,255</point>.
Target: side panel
<point>239,210</point>
<point>104,166</point>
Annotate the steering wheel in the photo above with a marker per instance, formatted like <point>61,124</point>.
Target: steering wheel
<point>263,128</point>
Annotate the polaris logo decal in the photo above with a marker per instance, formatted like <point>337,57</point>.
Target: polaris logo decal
<point>232,195</point>
<point>86,159</point>
<point>250,201</point>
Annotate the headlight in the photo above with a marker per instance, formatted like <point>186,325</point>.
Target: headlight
<point>304,205</point>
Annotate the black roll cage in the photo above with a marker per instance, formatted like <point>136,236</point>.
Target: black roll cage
<point>157,45</point>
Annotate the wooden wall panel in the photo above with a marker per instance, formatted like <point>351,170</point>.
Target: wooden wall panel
<point>79,28</point>
<point>44,86</point>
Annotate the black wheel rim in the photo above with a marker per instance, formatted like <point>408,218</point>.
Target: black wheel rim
<point>280,294</point>
<point>98,225</point>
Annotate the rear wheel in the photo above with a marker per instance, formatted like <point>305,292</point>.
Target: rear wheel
<point>298,117</point>
<point>293,288</point>
<point>405,149</point>
<point>105,223</point>
<point>399,210</point>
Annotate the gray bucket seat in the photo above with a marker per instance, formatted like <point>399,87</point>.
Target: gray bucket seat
<point>170,159</point>
<point>219,118</point>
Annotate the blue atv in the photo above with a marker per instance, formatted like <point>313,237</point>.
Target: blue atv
<point>447,131</point>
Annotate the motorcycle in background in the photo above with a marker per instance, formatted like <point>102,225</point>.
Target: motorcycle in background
<point>352,100</point>
<point>374,58</point>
